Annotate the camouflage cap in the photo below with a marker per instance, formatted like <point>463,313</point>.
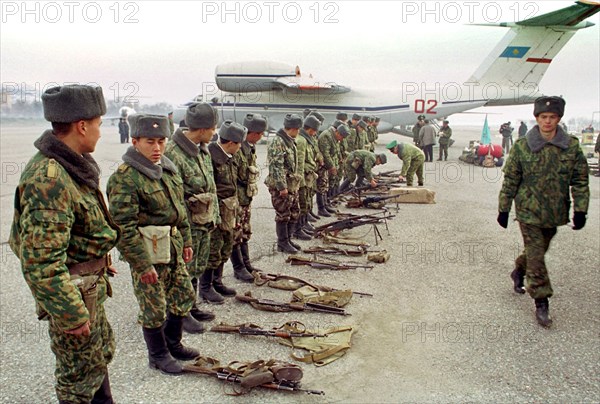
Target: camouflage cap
<point>255,123</point>
<point>150,126</point>
<point>312,122</point>
<point>201,115</point>
<point>446,122</point>
<point>383,158</point>
<point>355,117</point>
<point>391,145</point>
<point>292,121</point>
<point>342,116</point>
<point>72,103</point>
<point>232,131</point>
<point>549,104</point>
<point>319,115</point>
<point>343,130</point>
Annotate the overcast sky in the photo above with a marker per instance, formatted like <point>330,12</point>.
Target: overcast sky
<point>167,51</point>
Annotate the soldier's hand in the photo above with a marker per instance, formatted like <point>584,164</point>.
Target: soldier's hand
<point>373,183</point>
<point>188,254</point>
<point>333,171</point>
<point>283,192</point>
<point>401,178</point>
<point>82,330</point>
<point>502,219</point>
<point>150,277</point>
<point>578,220</point>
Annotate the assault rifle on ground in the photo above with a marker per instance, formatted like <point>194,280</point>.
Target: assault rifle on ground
<point>298,260</point>
<point>374,202</point>
<point>358,252</point>
<point>252,329</point>
<point>351,222</point>
<point>254,380</point>
<point>271,305</point>
<point>260,278</point>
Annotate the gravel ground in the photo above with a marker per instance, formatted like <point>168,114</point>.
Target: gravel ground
<point>443,326</point>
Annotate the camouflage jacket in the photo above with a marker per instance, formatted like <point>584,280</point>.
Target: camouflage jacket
<point>371,133</point>
<point>195,168</point>
<point>244,158</point>
<point>538,176</point>
<point>140,194</point>
<point>445,135</point>
<point>407,153</point>
<point>225,171</point>
<point>312,150</point>
<point>301,147</point>
<point>362,160</point>
<point>60,219</point>
<point>329,146</point>
<point>282,159</point>
<point>355,140</point>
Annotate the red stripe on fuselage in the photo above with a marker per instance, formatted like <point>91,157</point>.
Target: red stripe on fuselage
<point>539,60</point>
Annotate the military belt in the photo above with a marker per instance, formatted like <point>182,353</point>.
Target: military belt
<point>92,267</point>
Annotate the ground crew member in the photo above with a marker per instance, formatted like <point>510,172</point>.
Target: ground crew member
<point>412,161</point>
<point>445,135</point>
<point>427,140</point>
<point>248,174</point>
<point>540,172</point>
<point>62,233</point>
<point>146,200</point>
<point>231,136</point>
<point>307,167</point>
<point>188,151</point>
<point>283,182</point>
<point>171,123</point>
<point>360,164</point>
<point>123,129</point>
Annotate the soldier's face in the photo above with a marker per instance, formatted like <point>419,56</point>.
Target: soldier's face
<point>91,128</point>
<point>254,137</point>
<point>231,147</point>
<point>547,121</point>
<point>151,148</point>
<point>208,134</point>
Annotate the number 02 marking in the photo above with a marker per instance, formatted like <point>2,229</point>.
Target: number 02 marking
<point>420,106</point>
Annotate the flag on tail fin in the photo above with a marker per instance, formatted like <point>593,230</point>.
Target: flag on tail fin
<point>486,136</point>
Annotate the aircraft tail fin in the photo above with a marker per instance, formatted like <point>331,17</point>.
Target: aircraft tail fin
<point>520,60</point>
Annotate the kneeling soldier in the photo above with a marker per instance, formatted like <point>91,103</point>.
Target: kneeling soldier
<point>360,164</point>
<point>146,200</point>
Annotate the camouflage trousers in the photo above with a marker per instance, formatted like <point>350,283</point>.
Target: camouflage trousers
<point>536,241</point>
<point>416,166</point>
<point>287,208</point>
<point>201,247</point>
<point>334,182</point>
<point>221,246</point>
<point>81,361</point>
<point>172,292</point>
<point>323,180</point>
<point>243,230</point>
<point>304,199</point>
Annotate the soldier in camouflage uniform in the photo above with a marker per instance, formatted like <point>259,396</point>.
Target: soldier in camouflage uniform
<point>358,137</point>
<point>62,233</point>
<point>146,200</point>
<point>445,135</point>
<point>371,134</point>
<point>541,169</point>
<point>248,174</point>
<point>359,166</point>
<point>412,158</point>
<point>417,128</point>
<point>307,167</point>
<point>188,151</point>
<point>328,143</point>
<point>222,151</point>
<point>283,182</point>
<point>316,153</point>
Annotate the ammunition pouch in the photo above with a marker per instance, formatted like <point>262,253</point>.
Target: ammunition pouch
<point>293,182</point>
<point>201,207</point>
<point>157,241</point>
<point>253,176</point>
<point>85,276</point>
<point>228,208</point>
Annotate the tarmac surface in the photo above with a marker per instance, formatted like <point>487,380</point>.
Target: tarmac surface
<point>444,324</point>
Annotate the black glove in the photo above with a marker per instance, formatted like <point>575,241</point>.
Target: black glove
<point>578,220</point>
<point>503,219</point>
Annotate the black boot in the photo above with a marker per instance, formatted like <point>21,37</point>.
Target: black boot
<point>299,232</point>
<point>207,292</point>
<point>307,226</point>
<point>239,268</point>
<point>283,243</point>
<point>103,395</point>
<point>195,311</point>
<point>346,184</point>
<point>542,312</point>
<point>311,217</point>
<point>313,214</point>
<point>173,333</point>
<point>191,325</point>
<point>218,283</point>
<point>328,206</point>
<point>291,228</point>
<point>158,353</point>
<point>321,206</point>
<point>518,276</point>
<point>246,257</point>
